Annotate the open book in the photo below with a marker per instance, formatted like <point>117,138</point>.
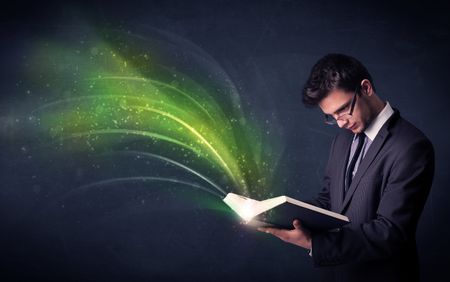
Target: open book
<point>281,211</point>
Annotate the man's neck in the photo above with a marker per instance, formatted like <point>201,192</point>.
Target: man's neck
<point>377,106</point>
<point>380,119</point>
<point>380,104</point>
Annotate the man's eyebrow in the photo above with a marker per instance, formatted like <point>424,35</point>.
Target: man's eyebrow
<point>342,108</point>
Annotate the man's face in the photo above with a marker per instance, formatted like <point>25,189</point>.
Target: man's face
<point>338,103</point>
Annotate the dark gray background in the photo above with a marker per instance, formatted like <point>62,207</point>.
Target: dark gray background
<point>267,48</point>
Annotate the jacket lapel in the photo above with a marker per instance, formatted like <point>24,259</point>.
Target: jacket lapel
<point>376,146</point>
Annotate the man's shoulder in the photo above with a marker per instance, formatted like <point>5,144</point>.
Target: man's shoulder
<point>406,132</point>
<point>406,139</point>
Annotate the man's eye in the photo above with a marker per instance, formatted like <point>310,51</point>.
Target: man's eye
<point>343,110</point>
<point>340,112</point>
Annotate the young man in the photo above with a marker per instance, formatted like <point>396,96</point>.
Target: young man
<point>379,174</point>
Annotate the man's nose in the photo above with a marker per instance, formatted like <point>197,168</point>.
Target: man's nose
<point>341,123</point>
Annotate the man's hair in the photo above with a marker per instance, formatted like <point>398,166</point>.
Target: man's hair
<point>332,72</point>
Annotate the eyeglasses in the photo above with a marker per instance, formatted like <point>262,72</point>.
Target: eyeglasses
<point>329,119</point>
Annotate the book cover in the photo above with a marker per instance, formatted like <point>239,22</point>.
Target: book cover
<point>281,211</point>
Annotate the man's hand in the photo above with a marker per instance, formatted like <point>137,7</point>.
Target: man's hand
<point>298,236</point>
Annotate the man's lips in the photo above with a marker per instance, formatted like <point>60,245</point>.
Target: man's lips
<point>351,127</point>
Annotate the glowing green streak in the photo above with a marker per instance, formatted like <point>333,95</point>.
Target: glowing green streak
<point>134,132</point>
<point>109,97</point>
<point>179,165</point>
<point>146,133</point>
<point>195,132</point>
<point>161,84</point>
<point>139,178</point>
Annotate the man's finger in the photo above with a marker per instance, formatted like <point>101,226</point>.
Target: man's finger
<point>280,233</point>
<point>297,224</point>
<point>266,229</point>
<point>262,229</point>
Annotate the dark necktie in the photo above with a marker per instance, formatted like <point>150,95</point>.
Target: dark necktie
<point>349,175</point>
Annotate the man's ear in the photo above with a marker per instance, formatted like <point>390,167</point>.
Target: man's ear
<point>366,87</point>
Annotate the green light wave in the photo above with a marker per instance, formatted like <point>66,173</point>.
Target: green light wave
<point>177,164</point>
<point>159,84</point>
<point>134,132</point>
<point>118,85</point>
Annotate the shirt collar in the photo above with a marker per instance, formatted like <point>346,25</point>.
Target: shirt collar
<point>375,126</point>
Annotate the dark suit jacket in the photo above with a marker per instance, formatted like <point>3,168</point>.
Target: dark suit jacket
<point>383,203</point>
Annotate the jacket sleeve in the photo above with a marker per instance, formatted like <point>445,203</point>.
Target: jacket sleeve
<point>399,209</point>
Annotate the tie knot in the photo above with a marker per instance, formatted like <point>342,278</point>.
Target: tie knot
<point>360,137</point>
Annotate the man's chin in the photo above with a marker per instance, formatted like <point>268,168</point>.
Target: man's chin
<point>356,129</point>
